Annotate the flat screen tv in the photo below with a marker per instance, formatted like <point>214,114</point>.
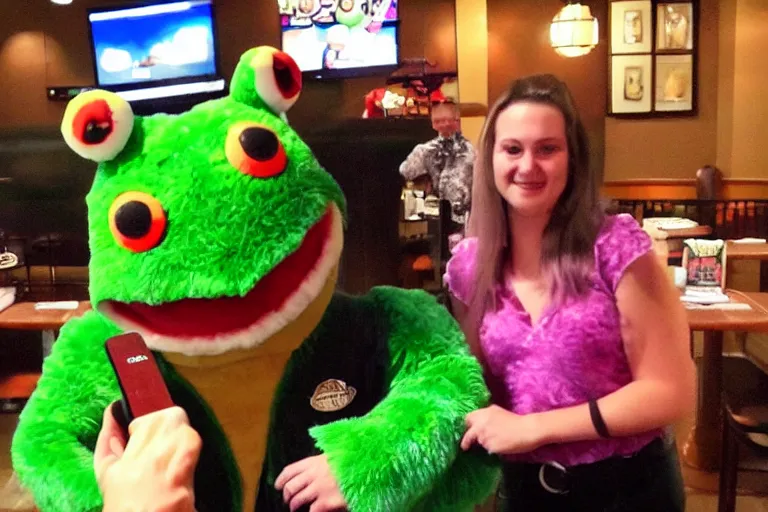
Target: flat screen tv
<point>157,50</point>
<point>341,38</point>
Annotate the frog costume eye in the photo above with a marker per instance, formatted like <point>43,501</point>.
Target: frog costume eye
<point>255,150</point>
<point>97,125</point>
<point>137,221</point>
<point>267,77</point>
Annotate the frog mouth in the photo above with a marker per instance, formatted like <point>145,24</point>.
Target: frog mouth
<point>215,325</point>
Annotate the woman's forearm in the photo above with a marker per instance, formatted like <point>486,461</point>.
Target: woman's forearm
<point>638,407</point>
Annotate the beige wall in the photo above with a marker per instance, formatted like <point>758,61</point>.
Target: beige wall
<point>518,45</point>
<point>672,147</point>
<point>472,57</point>
<point>726,54</point>
<point>743,122</point>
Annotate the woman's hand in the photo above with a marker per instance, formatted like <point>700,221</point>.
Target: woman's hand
<point>502,432</point>
<point>154,470</point>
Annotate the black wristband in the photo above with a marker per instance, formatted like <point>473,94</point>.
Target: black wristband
<point>597,420</point>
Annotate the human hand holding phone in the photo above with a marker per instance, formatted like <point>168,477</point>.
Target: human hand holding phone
<point>146,452</point>
<point>154,470</point>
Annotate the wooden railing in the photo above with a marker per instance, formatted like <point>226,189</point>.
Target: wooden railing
<point>729,219</point>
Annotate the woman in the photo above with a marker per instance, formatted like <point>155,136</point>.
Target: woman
<point>583,337</point>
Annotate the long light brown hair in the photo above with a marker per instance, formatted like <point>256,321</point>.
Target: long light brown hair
<point>569,238</point>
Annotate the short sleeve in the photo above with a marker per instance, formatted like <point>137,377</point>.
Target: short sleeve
<point>460,270</point>
<point>620,242</point>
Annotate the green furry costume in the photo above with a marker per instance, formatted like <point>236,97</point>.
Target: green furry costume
<point>217,235</point>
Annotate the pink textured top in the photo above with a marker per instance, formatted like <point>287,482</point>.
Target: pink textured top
<point>573,354</point>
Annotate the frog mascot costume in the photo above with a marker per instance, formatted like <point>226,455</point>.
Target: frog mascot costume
<point>216,235</point>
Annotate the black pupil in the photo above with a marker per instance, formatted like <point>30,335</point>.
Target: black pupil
<point>133,219</point>
<point>259,143</point>
<point>96,132</point>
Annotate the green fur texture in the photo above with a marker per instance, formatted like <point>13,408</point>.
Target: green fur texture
<point>226,230</point>
<point>62,419</point>
<point>405,446</point>
<point>242,89</point>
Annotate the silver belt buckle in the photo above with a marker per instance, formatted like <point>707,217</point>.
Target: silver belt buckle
<point>542,480</point>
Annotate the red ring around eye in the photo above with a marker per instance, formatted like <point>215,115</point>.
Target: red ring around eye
<point>93,122</point>
<point>137,221</point>
<point>255,150</point>
<point>97,125</point>
<point>287,74</point>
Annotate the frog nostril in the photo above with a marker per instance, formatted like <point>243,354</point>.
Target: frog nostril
<point>259,143</point>
<point>133,219</point>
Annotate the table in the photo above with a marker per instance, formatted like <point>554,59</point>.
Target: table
<point>747,251</point>
<point>673,243</point>
<point>24,317</point>
<point>702,449</point>
<point>736,251</point>
<point>694,232</point>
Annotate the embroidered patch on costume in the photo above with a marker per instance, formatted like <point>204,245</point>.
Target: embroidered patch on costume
<point>332,395</point>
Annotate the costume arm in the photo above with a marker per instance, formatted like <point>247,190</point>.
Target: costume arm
<point>52,449</point>
<point>415,164</point>
<point>404,455</point>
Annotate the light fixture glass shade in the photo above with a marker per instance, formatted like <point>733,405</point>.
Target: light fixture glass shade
<point>61,2</point>
<point>574,31</point>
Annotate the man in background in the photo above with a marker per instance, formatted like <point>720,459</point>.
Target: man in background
<point>446,161</point>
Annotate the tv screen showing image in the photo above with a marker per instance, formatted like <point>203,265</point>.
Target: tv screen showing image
<point>153,43</point>
<point>338,38</point>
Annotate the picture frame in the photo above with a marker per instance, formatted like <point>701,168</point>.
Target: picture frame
<point>631,26</point>
<point>653,58</point>
<point>631,85</point>
<point>675,24</point>
<point>674,83</point>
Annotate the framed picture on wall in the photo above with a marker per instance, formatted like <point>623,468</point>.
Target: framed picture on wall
<point>674,26</point>
<point>631,85</point>
<point>631,28</point>
<point>652,63</point>
<point>674,83</point>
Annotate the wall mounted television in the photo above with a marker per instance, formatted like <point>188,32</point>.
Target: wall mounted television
<point>154,51</point>
<point>341,38</point>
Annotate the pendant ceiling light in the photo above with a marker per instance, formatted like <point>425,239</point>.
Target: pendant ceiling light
<point>574,31</point>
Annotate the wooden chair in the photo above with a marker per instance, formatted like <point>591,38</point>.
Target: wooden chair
<point>745,425</point>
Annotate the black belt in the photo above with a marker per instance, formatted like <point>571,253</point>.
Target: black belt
<point>558,479</point>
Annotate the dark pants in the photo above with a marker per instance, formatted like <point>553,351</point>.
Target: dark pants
<point>649,481</point>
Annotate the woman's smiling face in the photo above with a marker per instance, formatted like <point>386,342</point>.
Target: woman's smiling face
<point>530,158</point>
